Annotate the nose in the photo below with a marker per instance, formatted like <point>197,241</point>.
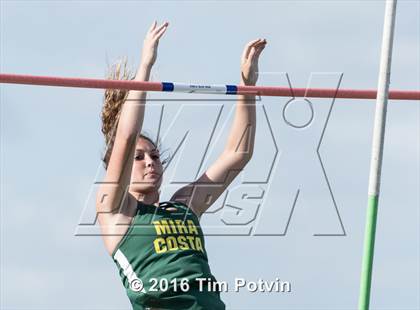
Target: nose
<point>149,161</point>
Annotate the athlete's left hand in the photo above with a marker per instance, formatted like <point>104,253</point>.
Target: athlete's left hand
<point>150,44</point>
<point>249,61</point>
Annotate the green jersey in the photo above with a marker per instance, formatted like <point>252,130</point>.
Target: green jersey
<point>162,257</point>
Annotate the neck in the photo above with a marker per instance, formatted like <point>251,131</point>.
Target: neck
<point>151,198</point>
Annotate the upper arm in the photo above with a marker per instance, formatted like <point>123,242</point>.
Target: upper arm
<point>202,193</point>
<point>111,196</point>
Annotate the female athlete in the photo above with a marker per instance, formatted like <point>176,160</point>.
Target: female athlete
<point>159,247</point>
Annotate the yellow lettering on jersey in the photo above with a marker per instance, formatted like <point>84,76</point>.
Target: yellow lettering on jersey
<point>192,228</point>
<point>160,245</point>
<point>191,242</point>
<point>199,245</point>
<point>173,227</point>
<point>182,229</point>
<point>171,243</point>
<point>182,243</point>
<point>162,227</point>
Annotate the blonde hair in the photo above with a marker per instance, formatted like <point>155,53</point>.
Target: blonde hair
<point>111,110</point>
<point>114,99</point>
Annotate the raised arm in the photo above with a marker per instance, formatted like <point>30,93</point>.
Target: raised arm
<point>202,193</point>
<point>110,196</point>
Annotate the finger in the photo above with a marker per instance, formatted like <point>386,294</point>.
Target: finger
<point>251,54</point>
<point>259,50</point>
<point>153,26</point>
<point>256,50</point>
<point>247,49</point>
<point>156,30</point>
<point>160,33</point>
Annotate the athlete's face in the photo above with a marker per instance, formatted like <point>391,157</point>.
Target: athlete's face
<point>147,170</point>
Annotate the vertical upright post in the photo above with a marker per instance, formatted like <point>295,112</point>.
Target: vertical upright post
<point>377,152</point>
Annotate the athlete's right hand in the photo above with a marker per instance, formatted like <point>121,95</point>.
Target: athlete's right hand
<point>150,44</point>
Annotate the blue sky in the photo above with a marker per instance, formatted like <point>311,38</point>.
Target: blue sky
<point>51,146</point>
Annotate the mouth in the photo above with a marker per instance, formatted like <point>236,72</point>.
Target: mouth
<point>152,174</point>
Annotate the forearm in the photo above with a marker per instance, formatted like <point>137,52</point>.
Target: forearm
<point>241,139</point>
<point>132,112</point>
<point>242,133</point>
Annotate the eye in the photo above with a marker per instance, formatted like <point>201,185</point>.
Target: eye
<point>139,157</point>
<point>155,156</point>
